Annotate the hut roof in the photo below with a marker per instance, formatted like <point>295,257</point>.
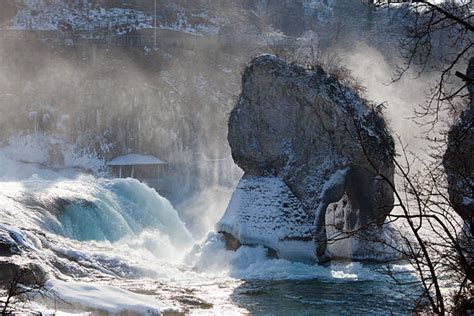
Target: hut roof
<point>136,160</point>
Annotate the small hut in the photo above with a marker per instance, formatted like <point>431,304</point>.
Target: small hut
<point>137,165</point>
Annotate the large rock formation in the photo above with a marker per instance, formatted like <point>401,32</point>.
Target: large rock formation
<point>311,150</point>
<point>458,161</point>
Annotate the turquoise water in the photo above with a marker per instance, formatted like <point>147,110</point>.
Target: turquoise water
<point>122,233</point>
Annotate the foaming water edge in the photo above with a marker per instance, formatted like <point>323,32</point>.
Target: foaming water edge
<point>119,235</point>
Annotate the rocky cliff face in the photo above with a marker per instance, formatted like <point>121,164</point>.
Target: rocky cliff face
<point>204,17</point>
<point>458,161</point>
<point>306,143</point>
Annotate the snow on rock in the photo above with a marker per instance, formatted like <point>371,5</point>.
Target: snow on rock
<point>297,134</point>
<point>45,155</point>
<point>269,214</point>
<point>103,298</point>
<point>42,17</point>
<point>183,24</point>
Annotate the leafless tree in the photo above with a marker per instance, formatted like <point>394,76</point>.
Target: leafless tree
<point>439,39</point>
<point>23,285</point>
<point>432,237</point>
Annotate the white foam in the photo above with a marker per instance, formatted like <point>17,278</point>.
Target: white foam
<point>122,228</point>
<point>252,263</point>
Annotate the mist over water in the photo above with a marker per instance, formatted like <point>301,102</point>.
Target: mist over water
<point>118,230</point>
<point>401,97</point>
<point>65,109</point>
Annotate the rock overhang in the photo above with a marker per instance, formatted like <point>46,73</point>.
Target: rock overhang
<point>319,138</point>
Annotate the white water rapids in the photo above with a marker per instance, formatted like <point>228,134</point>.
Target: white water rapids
<point>116,246</point>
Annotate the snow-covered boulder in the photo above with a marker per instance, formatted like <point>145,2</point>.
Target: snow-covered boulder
<point>297,134</point>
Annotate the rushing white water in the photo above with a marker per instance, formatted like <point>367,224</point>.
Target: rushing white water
<point>102,238</point>
<point>92,209</point>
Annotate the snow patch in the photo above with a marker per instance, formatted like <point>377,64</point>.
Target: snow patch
<point>29,155</point>
<point>85,296</point>
<point>263,211</point>
<point>43,17</point>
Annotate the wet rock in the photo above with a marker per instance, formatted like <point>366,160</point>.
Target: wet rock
<point>231,243</point>
<point>8,245</point>
<point>194,302</point>
<point>21,271</point>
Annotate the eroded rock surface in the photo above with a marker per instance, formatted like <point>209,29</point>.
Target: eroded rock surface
<point>297,134</point>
